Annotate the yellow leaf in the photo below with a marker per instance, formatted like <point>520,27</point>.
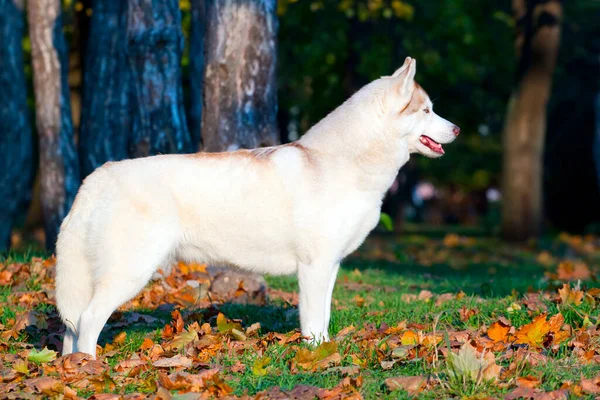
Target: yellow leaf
<point>260,366</point>
<point>325,355</point>
<point>225,325</point>
<point>408,338</point>
<point>21,367</point>
<point>533,333</point>
<point>181,340</point>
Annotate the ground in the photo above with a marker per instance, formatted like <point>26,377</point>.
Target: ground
<point>412,317</point>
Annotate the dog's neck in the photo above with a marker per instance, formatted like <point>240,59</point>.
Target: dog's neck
<point>351,136</point>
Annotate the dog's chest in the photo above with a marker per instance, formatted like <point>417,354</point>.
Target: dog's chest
<point>360,217</point>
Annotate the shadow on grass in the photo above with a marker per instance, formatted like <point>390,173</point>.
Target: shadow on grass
<point>272,318</point>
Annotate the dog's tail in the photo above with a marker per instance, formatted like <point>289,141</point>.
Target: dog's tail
<point>74,285</point>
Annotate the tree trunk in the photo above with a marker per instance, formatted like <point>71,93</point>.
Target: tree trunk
<point>16,164</point>
<point>106,119</point>
<point>59,166</point>
<point>197,70</point>
<point>133,100</point>
<point>154,48</point>
<point>537,42</point>
<point>240,95</point>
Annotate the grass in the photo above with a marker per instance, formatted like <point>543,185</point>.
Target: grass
<point>490,276</point>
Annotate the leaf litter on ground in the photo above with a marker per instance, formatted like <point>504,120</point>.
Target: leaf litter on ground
<point>412,332</point>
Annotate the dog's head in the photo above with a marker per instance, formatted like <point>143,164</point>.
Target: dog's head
<point>409,113</point>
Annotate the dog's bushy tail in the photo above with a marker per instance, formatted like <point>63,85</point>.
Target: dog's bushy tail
<point>74,285</point>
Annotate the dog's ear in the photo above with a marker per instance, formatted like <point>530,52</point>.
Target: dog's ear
<point>404,77</point>
<point>407,61</point>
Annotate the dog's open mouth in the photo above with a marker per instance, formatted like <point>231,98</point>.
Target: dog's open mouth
<point>432,144</point>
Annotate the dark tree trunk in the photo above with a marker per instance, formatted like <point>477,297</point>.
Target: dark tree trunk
<point>133,102</point>
<point>197,70</point>
<point>537,41</point>
<point>59,165</point>
<point>154,48</point>
<point>106,119</point>
<point>240,96</point>
<point>16,164</point>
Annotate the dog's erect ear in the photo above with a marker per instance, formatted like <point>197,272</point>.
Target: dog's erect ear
<point>404,77</point>
<point>402,68</point>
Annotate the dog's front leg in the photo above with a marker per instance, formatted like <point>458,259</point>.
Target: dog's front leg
<point>316,283</point>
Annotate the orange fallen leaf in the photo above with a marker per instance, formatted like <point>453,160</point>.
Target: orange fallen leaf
<point>498,331</point>
<point>572,271</point>
<point>528,381</point>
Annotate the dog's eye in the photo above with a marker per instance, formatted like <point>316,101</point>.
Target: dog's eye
<point>426,109</point>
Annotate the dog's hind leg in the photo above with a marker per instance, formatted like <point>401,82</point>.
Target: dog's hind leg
<point>316,283</point>
<point>134,256</point>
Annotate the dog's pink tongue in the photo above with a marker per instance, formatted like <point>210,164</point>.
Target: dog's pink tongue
<point>432,144</point>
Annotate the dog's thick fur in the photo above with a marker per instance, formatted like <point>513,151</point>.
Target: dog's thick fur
<point>297,208</point>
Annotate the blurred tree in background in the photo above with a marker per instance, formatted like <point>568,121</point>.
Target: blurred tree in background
<point>59,174</point>
<point>16,155</point>
<point>536,43</point>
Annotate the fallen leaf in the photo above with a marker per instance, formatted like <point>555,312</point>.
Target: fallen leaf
<point>533,334</point>
<point>498,331</point>
<point>175,361</point>
<point>591,386</point>
<point>181,340</point>
<point>260,366</point>
<point>467,364</point>
<point>225,325</point>
<point>120,338</point>
<point>43,356</point>
<point>572,271</point>
<point>412,384</point>
<point>528,381</point>
<point>569,296</point>
<point>520,393</point>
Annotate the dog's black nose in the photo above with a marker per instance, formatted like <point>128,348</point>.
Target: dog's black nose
<point>456,130</point>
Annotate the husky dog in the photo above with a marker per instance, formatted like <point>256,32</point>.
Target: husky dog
<point>299,208</point>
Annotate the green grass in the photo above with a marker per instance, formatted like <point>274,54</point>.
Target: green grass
<point>491,275</point>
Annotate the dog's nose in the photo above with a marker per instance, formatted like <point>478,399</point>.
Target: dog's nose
<point>456,130</point>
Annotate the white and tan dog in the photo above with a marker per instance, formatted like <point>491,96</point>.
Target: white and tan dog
<point>298,208</point>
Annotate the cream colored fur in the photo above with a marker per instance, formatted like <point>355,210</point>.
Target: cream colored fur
<point>293,209</point>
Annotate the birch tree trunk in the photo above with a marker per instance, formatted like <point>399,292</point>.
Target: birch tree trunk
<point>59,165</point>
<point>154,48</point>
<point>536,44</point>
<point>240,96</point>
<point>16,164</point>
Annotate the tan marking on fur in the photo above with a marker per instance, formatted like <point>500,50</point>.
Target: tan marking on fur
<point>261,154</point>
<point>418,100</point>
